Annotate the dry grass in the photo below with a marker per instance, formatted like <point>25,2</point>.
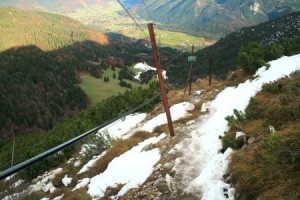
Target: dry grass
<point>237,77</point>
<point>254,128</point>
<point>290,190</point>
<point>80,194</point>
<point>269,168</point>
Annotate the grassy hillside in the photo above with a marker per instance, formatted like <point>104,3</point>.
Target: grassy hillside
<point>45,30</point>
<point>269,166</point>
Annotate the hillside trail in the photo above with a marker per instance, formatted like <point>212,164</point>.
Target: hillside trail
<point>177,169</point>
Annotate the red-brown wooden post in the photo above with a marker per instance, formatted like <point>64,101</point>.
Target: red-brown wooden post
<point>160,78</point>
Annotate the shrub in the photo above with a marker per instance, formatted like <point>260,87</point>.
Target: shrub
<point>252,111</point>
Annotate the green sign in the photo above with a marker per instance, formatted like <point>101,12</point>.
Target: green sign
<point>192,58</point>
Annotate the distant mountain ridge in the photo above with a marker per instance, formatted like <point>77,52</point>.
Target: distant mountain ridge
<point>209,18</point>
<point>51,5</point>
<point>212,18</point>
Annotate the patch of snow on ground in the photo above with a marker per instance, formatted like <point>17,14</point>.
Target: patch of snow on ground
<point>59,197</point>
<point>17,183</point>
<point>82,183</point>
<point>202,166</point>
<point>239,134</point>
<point>177,111</point>
<point>131,168</point>
<point>205,107</point>
<point>44,182</point>
<point>91,163</point>
<point>122,127</point>
<point>145,67</point>
<point>86,148</point>
<point>66,180</point>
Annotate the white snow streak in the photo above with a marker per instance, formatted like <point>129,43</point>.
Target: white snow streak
<point>202,165</point>
<point>177,111</point>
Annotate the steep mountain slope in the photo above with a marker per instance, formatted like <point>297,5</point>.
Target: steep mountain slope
<point>209,18</point>
<point>45,30</point>
<point>224,53</point>
<point>41,57</point>
<point>214,18</point>
<point>192,165</point>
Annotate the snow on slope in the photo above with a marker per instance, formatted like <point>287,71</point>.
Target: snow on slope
<point>177,111</point>
<point>131,169</point>
<point>202,166</point>
<point>145,67</point>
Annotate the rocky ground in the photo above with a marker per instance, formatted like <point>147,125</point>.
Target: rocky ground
<point>167,182</point>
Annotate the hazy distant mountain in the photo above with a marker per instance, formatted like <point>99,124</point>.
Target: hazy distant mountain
<point>51,5</point>
<point>213,17</point>
<point>210,18</point>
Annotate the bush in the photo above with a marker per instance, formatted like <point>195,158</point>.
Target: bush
<point>252,111</point>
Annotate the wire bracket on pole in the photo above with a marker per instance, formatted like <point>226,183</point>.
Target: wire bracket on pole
<point>160,78</point>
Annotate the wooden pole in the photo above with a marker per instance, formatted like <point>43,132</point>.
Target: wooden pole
<point>160,78</point>
<point>210,66</point>
<point>189,82</point>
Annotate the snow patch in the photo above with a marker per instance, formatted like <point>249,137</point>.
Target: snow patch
<point>91,163</point>
<point>255,7</point>
<point>44,182</point>
<point>82,183</point>
<point>177,111</point>
<point>59,197</point>
<point>120,128</point>
<point>145,67</point>
<point>131,168</point>
<point>202,166</point>
<point>66,180</point>
<point>239,134</point>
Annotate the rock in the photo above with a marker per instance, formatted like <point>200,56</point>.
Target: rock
<point>241,137</point>
<point>251,140</point>
<point>168,166</point>
<point>162,185</point>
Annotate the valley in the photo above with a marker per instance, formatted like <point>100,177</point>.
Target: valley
<point>80,69</point>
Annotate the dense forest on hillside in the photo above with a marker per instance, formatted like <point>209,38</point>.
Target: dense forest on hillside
<point>27,146</point>
<point>39,82</point>
<point>40,88</point>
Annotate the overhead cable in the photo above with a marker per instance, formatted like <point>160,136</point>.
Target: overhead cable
<point>132,18</point>
<point>151,17</point>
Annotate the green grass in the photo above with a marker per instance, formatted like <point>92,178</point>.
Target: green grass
<point>98,90</point>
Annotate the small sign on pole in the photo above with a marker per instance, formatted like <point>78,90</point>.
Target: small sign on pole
<point>192,58</point>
